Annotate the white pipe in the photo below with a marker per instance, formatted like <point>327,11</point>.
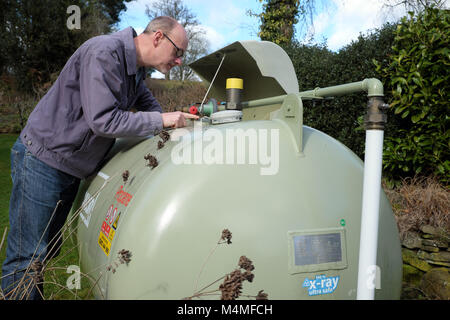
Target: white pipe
<point>368,270</point>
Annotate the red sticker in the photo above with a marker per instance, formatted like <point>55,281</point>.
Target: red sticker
<point>106,228</point>
<point>123,197</point>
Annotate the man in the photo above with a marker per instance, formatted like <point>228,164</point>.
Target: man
<point>71,130</point>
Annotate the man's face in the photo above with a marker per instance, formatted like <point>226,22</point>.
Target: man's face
<point>168,49</point>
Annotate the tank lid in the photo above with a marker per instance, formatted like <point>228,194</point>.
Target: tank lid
<point>265,68</point>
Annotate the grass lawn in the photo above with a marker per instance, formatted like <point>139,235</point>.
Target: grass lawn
<point>6,142</point>
<point>56,276</point>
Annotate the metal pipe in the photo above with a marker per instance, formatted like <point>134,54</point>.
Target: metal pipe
<point>368,244</point>
<point>263,102</point>
<point>368,272</point>
<point>372,86</point>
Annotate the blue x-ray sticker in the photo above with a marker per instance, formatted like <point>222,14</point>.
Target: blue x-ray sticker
<point>321,285</point>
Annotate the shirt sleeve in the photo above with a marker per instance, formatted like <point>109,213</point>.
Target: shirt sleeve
<point>102,92</point>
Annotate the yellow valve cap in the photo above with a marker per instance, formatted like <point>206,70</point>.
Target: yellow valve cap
<point>235,83</point>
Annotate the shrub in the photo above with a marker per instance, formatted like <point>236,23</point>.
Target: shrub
<point>317,66</point>
<point>418,78</point>
<point>171,94</point>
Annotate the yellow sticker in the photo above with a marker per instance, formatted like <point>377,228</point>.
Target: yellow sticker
<point>104,243</point>
<point>111,235</point>
<point>116,221</point>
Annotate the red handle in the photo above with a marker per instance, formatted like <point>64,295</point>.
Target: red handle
<point>193,110</point>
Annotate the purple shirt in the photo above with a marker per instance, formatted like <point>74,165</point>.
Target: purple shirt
<point>75,124</point>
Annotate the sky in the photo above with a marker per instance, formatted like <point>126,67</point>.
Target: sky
<point>335,22</point>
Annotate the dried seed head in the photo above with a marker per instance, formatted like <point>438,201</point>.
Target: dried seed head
<point>37,268</point>
<point>246,263</point>
<point>160,144</point>
<point>152,161</point>
<point>164,135</point>
<point>226,235</point>
<point>231,286</point>
<point>124,256</point>
<point>247,275</point>
<point>261,295</point>
<point>125,176</point>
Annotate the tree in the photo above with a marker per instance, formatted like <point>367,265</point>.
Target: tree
<point>279,18</point>
<point>36,41</point>
<point>3,30</point>
<point>198,47</point>
<point>198,44</point>
<point>416,6</point>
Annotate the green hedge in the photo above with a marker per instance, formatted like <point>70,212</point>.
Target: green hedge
<point>412,60</point>
<point>317,66</point>
<point>418,77</point>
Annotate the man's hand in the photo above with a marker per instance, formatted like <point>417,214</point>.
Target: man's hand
<point>176,119</point>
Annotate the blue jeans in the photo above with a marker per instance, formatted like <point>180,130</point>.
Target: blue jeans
<point>36,216</point>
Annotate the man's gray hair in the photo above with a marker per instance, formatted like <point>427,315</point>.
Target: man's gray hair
<point>163,23</point>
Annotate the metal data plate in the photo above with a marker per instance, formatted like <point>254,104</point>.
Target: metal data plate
<point>226,116</point>
<point>316,250</point>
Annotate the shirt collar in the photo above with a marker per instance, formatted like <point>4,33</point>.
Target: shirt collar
<point>127,35</point>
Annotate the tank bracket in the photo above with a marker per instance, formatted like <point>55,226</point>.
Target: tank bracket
<point>291,115</point>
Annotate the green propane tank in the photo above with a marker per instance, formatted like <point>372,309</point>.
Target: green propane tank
<point>168,215</point>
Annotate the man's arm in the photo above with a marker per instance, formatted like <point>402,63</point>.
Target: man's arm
<point>146,102</point>
<point>101,95</point>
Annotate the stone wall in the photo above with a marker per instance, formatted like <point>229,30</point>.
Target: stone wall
<point>426,264</point>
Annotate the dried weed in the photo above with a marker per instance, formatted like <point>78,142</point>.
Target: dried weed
<point>231,287</point>
<point>420,201</point>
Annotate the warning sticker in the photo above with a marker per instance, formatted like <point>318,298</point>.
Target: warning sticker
<point>108,229</point>
<point>116,221</point>
<point>123,197</point>
<point>111,221</point>
<point>88,206</point>
<point>104,243</point>
<point>111,234</point>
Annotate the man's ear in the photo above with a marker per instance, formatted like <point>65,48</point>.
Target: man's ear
<point>157,38</point>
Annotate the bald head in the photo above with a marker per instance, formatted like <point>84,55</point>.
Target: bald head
<point>163,23</point>
<point>161,43</point>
